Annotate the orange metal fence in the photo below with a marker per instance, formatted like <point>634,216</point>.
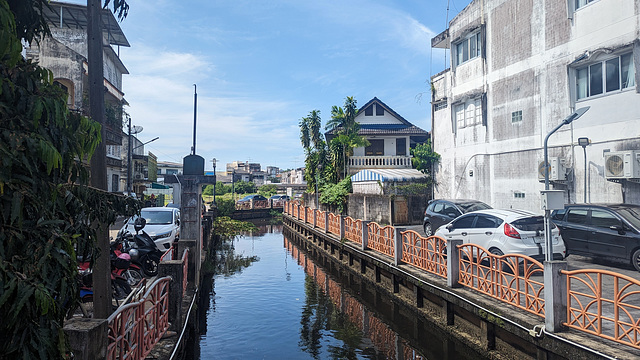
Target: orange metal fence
<point>320,219</point>
<point>353,229</point>
<point>135,328</point>
<point>609,308</point>
<point>310,215</point>
<point>514,279</point>
<point>334,224</point>
<point>380,239</point>
<point>428,254</point>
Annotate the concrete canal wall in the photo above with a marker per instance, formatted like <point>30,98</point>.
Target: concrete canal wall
<point>490,326</point>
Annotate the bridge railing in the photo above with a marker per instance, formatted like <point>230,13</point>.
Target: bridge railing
<point>135,328</point>
<point>381,239</point>
<point>514,279</point>
<point>428,254</point>
<point>609,307</point>
<point>353,229</point>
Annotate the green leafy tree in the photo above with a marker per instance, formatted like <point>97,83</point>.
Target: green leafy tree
<point>346,130</point>
<point>336,195</point>
<point>245,187</point>
<point>48,212</point>
<point>314,147</point>
<point>424,158</point>
<point>268,190</point>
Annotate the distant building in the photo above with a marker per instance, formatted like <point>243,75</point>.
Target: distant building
<point>295,176</point>
<point>169,168</point>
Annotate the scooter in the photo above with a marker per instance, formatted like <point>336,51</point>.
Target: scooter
<point>142,248</point>
<point>132,273</point>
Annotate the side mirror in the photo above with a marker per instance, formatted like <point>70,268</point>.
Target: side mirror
<point>139,224</point>
<point>178,222</point>
<point>617,228</point>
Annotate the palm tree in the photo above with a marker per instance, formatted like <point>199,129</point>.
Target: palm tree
<point>346,129</point>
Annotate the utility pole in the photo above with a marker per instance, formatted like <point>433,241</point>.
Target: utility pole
<point>102,268</point>
<point>129,150</point>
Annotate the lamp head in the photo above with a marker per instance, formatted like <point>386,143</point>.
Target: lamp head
<point>583,141</point>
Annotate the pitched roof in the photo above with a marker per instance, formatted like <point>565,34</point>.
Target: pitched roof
<point>405,128</point>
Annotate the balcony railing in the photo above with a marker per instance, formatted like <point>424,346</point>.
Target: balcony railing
<point>380,162</point>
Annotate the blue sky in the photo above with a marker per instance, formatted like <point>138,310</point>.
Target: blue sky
<point>260,66</point>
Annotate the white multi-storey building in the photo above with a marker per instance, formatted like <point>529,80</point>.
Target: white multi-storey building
<point>517,69</point>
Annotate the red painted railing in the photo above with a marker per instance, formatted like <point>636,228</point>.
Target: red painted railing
<point>135,328</point>
<point>381,239</point>
<point>334,224</point>
<point>428,254</point>
<point>514,279</point>
<point>609,308</point>
<point>353,229</point>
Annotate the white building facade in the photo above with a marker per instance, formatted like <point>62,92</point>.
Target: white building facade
<point>518,68</point>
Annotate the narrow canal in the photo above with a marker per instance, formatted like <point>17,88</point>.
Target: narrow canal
<point>270,300</point>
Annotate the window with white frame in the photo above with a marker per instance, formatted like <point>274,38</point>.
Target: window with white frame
<point>516,117</point>
<point>605,76</point>
<point>468,113</point>
<point>469,48</point>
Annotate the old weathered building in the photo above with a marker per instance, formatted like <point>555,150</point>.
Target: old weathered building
<point>65,54</point>
<point>517,69</point>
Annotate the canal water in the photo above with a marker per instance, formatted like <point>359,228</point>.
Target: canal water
<point>270,300</point>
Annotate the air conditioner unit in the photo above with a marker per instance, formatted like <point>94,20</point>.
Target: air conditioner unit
<point>557,171</point>
<point>622,165</point>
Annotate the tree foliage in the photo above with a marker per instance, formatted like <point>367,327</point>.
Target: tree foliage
<point>335,195</point>
<point>268,190</point>
<point>48,213</point>
<point>424,157</point>
<point>345,128</point>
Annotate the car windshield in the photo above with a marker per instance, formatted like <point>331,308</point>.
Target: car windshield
<point>473,206</point>
<point>534,223</point>
<point>631,214</point>
<point>157,217</point>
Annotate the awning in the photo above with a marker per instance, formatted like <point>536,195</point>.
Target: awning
<point>388,175</point>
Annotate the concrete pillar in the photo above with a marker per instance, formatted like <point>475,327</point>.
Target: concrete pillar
<point>326,222</point>
<point>453,264</point>
<point>365,235</point>
<point>174,269</point>
<point>190,221</point>
<point>341,227</point>
<point>87,338</point>
<point>397,246</point>
<point>555,295</point>
<point>487,335</point>
<point>315,218</point>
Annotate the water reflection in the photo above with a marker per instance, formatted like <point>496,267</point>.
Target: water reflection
<point>272,301</point>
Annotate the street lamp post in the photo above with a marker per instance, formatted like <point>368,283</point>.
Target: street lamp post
<point>554,294</point>
<point>547,211</point>
<point>584,142</point>
<point>214,181</point>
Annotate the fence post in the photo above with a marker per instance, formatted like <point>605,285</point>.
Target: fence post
<point>326,222</point>
<point>397,244</point>
<point>453,263</point>
<point>174,268</point>
<point>341,227</point>
<point>555,295</point>
<point>88,338</point>
<point>365,234</point>
<point>315,218</point>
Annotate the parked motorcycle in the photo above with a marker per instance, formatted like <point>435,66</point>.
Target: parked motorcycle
<point>141,247</point>
<point>132,273</point>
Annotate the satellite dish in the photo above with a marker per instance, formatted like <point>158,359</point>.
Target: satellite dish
<point>136,129</point>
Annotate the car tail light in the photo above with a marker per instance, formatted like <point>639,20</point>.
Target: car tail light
<point>510,231</point>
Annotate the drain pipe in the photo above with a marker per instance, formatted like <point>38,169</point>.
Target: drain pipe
<point>184,328</point>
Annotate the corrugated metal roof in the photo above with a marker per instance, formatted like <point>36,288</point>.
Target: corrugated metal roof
<point>382,175</point>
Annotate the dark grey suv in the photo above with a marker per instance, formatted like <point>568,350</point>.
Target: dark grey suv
<point>610,231</point>
<point>442,211</point>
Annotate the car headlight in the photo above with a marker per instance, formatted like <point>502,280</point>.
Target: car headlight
<point>162,236</point>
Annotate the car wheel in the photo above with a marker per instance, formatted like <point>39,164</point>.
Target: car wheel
<point>427,229</point>
<point>496,251</point>
<point>635,259</point>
